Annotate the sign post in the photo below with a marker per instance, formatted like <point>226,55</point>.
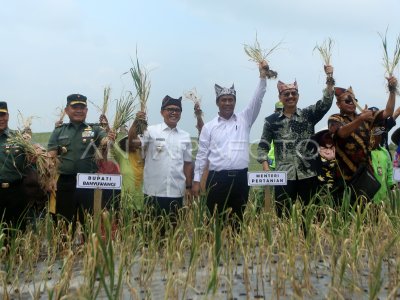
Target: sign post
<point>98,182</point>
<point>267,179</point>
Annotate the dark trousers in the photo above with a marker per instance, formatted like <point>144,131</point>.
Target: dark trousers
<point>167,205</point>
<point>227,189</point>
<point>164,205</point>
<point>286,195</point>
<point>72,202</point>
<point>13,205</point>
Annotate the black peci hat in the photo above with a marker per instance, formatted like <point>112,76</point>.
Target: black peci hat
<point>171,101</point>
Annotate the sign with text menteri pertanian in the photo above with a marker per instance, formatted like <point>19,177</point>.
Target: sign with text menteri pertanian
<point>266,178</point>
<point>98,181</point>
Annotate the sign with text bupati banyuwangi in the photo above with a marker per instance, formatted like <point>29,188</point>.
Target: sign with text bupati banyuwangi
<point>98,181</point>
<point>267,178</point>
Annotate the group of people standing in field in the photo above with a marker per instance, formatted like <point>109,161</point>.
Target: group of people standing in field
<point>158,162</point>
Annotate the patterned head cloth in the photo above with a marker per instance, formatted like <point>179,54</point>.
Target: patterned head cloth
<point>341,91</point>
<point>283,87</point>
<point>171,101</point>
<point>222,91</point>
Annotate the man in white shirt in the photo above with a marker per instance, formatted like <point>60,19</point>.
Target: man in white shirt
<point>224,146</point>
<point>168,160</point>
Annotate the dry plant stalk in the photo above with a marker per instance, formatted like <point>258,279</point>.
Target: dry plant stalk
<point>141,80</point>
<point>106,100</point>
<point>193,96</point>
<point>124,112</point>
<point>46,166</point>
<point>325,50</point>
<point>25,123</point>
<point>257,54</point>
<point>61,115</point>
<point>390,64</point>
<point>198,113</point>
<point>140,77</point>
<point>104,109</point>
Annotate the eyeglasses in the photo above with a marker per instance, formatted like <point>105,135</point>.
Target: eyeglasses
<point>293,93</point>
<point>173,110</point>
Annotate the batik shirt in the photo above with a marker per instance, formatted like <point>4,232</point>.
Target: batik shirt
<point>353,150</point>
<point>295,153</point>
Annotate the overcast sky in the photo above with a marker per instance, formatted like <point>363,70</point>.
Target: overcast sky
<point>50,49</point>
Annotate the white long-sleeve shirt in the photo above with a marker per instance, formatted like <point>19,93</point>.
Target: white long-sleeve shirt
<point>224,144</point>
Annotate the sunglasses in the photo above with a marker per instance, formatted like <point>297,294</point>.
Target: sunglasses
<point>173,110</point>
<point>349,100</point>
<point>293,93</point>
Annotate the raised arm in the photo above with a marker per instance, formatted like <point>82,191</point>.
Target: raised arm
<point>392,85</point>
<point>134,142</point>
<point>253,108</point>
<point>343,131</point>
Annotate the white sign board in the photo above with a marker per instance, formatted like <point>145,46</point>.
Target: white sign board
<point>266,178</point>
<point>98,181</point>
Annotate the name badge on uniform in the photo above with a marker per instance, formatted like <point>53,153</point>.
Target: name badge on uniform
<point>87,134</point>
<point>160,139</point>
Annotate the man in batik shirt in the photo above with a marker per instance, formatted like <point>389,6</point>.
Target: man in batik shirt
<point>295,153</point>
<point>352,131</point>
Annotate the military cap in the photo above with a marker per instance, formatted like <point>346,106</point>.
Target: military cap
<point>3,107</point>
<point>76,99</point>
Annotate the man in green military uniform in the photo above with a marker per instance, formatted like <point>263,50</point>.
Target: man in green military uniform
<point>75,144</point>
<point>13,203</point>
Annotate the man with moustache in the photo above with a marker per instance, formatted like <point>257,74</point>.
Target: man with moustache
<point>352,131</point>
<point>291,131</point>
<point>167,151</point>
<point>75,144</point>
<point>224,148</point>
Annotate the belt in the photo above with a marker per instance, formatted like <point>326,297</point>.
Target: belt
<point>6,185</point>
<point>230,173</point>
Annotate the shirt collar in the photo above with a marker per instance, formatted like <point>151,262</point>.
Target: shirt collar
<point>348,116</point>
<point>79,125</point>
<point>164,126</point>
<point>297,113</point>
<point>233,117</point>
